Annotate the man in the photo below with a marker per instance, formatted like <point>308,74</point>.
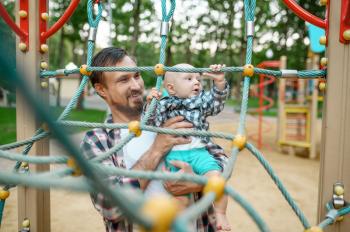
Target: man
<point>123,92</point>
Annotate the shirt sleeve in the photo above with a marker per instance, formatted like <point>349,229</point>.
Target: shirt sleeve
<point>214,100</point>
<point>92,147</point>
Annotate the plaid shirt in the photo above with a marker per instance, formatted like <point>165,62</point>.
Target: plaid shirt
<point>98,141</point>
<point>195,109</point>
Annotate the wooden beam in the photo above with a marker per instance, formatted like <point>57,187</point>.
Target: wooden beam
<point>33,204</point>
<point>335,147</point>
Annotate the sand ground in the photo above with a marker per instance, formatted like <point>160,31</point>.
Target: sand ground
<point>72,211</point>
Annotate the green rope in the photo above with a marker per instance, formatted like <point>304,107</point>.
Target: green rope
<point>303,74</point>
<point>94,171</point>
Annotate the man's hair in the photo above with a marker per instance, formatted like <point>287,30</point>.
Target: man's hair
<point>106,57</point>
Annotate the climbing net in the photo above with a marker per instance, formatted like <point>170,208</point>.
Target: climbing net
<point>133,205</point>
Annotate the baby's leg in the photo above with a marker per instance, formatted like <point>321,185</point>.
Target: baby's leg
<point>220,206</point>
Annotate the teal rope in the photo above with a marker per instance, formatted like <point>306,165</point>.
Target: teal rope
<point>2,206</point>
<point>31,140</point>
<point>248,208</point>
<point>230,164</point>
<point>279,184</point>
<point>161,130</point>
<point>32,159</point>
<point>303,74</point>
<point>193,211</point>
<point>117,195</point>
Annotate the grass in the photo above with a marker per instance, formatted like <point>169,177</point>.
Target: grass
<point>8,120</point>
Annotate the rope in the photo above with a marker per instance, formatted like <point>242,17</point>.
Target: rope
<point>128,200</point>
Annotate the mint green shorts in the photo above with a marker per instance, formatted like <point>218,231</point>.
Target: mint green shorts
<point>200,160</point>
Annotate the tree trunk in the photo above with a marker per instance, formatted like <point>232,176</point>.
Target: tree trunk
<point>135,34</point>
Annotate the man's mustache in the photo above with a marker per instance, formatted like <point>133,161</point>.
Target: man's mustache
<point>135,92</point>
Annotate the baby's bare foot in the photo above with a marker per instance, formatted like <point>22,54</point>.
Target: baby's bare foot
<point>222,223</point>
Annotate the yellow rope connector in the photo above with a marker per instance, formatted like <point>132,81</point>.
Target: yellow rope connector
<point>24,165</point>
<point>135,127</point>
<point>239,141</point>
<point>314,229</point>
<point>248,70</point>
<point>4,194</point>
<point>159,69</point>
<point>162,210</point>
<point>72,164</point>
<point>83,70</point>
<point>322,86</point>
<point>26,223</point>
<point>215,184</point>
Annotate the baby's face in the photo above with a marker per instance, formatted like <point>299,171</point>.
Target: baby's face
<point>187,85</point>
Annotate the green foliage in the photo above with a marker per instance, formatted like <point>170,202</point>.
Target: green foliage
<point>8,120</point>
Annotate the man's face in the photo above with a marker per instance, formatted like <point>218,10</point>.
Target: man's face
<point>123,91</point>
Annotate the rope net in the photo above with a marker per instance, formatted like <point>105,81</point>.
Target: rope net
<point>132,204</point>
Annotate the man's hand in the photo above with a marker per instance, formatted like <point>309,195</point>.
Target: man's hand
<point>178,188</point>
<point>164,142</point>
<point>217,76</point>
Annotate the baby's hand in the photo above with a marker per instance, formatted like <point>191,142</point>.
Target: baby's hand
<point>217,76</point>
<point>154,93</point>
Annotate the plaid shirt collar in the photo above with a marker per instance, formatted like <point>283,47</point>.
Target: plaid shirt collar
<point>108,120</point>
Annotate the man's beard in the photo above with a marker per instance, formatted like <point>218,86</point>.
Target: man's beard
<point>137,107</point>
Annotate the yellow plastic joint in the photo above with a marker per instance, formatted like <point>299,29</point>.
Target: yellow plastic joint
<point>248,70</point>
<point>314,229</point>
<point>161,210</point>
<point>159,69</point>
<point>135,127</point>
<point>239,141</point>
<point>83,70</point>
<point>73,165</point>
<point>4,194</point>
<point>215,184</point>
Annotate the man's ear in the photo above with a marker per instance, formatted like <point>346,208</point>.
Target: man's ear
<point>100,90</point>
<point>170,88</point>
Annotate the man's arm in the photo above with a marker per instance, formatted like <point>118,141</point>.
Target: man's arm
<point>161,146</point>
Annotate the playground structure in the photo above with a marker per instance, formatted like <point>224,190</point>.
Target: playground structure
<point>34,207</point>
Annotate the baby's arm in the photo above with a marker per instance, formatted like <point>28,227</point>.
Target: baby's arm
<point>154,93</point>
<point>214,100</point>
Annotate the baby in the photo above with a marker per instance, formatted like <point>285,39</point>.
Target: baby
<point>187,98</point>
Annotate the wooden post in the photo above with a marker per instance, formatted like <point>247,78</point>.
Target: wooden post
<point>281,101</point>
<point>335,148</point>
<point>33,204</point>
<point>313,110</point>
